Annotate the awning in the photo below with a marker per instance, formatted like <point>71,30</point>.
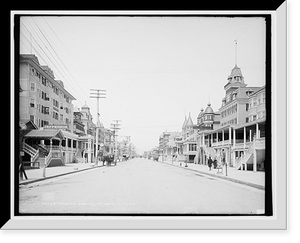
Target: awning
<point>45,134</point>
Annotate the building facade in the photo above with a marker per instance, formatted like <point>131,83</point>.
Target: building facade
<point>43,99</point>
<point>239,139</point>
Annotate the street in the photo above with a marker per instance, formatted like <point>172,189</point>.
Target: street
<point>139,186</point>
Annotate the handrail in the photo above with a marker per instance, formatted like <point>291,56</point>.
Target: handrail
<point>246,156</point>
<point>47,158</point>
<point>35,156</point>
<point>28,149</point>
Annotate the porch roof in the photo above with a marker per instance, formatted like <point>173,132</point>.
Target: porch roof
<point>45,134</point>
<point>248,124</point>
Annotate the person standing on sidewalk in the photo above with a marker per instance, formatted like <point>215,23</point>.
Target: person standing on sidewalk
<point>215,163</point>
<point>209,162</point>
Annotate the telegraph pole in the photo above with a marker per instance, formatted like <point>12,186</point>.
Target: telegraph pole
<point>115,127</point>
<point>98,94</point>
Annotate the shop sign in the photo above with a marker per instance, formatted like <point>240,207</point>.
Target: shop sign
<point>56,127</point>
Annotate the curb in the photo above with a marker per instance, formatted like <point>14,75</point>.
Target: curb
<point>54,176</point>
<point>222,177</point>
<point>66,173</point>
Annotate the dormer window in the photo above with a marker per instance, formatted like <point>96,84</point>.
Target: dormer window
<point>234,96</point>
<point>249,92</point>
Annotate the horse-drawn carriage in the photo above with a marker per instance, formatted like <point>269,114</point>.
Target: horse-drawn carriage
<point>108,159</point>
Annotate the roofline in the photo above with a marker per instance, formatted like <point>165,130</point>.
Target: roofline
<point>255,92</point>
<point>239,126</point>
<point>33,63</point>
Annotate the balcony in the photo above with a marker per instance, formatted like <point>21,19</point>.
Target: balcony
<point>221,143</point>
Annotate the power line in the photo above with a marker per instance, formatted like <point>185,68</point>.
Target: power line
<point>46,38</point>
<point>54,59</point>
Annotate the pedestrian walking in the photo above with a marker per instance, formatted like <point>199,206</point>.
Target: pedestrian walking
<point>85,156</point>
<point>209,162</point>
<point>215,163</point>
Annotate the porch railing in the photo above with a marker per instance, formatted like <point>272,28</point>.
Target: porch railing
<point>48,158</point>
<point>34,153</point>
<point>246,156</point>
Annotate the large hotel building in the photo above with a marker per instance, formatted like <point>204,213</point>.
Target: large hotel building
<point>235,134</point>
<point>52,132</point>
<point>43,99</point>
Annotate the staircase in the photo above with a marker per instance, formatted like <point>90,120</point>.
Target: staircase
<point>34,153</point>
<point>247,158</point>
<point>42,151</point>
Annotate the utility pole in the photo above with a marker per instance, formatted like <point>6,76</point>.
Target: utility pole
<point>115,127</point>
<point>127,142</point>
<point>98,94</point>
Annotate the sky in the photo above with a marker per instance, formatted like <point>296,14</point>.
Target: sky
<point>155,70</point>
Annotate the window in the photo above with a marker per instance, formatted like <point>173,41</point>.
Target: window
<point>45,96</point>
<point>55,90</point>
<point>192,147</point>
<point>32,71</point>
<point>44,81</point>
<point>32,103</point>
<point>45,110</point>
<point>55,115</point>
<point>247,106</point>
<point>32,118</point>
<point>32,87</point>
<point>55,103</point>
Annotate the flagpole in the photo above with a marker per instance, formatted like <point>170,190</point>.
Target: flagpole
<point>235,41</point>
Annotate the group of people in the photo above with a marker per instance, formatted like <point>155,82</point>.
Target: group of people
<point>211,163</point>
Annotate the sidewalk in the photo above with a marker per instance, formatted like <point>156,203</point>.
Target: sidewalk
<point>35,175</point>
<point>250,178</point>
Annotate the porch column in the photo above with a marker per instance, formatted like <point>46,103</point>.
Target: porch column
<point>217,138</point>
<point>233,159</point>
<point>229,135</point>
<point>67,150</point>
<point>234,137</point>
<point>72,153</point>
<point>250,135</point>
<point>89,151</point>
<point>254,157</point>
<point>211,139</point>
<point>244,139</point>
<point>222,137</point>
<point>51,144</point>
<point>257,131</point>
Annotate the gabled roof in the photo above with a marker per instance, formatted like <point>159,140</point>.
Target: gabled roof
<point>184,123</point>
<point>45,134</point>
<point>189,122</point>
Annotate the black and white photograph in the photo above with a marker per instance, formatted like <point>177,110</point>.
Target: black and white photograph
<point>143,114</point>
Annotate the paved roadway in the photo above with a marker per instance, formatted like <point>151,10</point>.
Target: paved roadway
<point>140,186</point>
